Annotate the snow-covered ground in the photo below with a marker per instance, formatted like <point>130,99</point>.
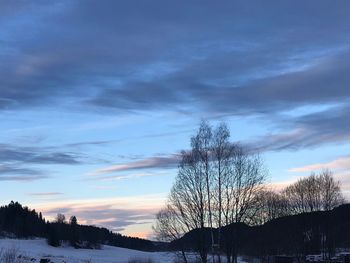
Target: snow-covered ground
<point>34,250</point>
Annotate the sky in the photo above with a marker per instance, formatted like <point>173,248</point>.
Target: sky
<point>97,98</point>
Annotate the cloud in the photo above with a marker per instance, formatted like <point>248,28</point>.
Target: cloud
<point>339,164</point>
<point>166,56</point>
<point>156,162</point>
<point>8,169</point>
<point>19,163</point>
<point>19,174</point>
<point>117,214</point>
<point>46,194</point>
<point>190,89</point>
<point>41,155</point>
<point>131,138</point>
<point>307,131</point>
<point>22,178</point>
<point>163,55</point>
<point>90,143</point>
<point>125,176</point>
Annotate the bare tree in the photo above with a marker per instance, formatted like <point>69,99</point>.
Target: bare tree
<point>170,227</point>
<point>202,149</point>
<point>189,199</point>
<point>318,192</point>
<point>271,205</point>
<point>331,191</point>
<point>217,184</point>
<point>241,190</point>
<point>60,218</point>
<point>222,151</point>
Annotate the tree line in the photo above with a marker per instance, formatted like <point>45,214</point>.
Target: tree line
<point>23,222</point>
<point>220,184</point>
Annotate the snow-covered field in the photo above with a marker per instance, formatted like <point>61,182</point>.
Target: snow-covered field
<point>34,250</point>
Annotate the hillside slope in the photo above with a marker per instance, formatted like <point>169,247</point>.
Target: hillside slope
<point>308,233</point>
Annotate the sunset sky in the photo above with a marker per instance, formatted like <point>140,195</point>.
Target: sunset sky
<point>97,98</point>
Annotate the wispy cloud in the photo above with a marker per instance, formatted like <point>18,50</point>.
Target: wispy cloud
<point>17,173</point>
<point>126,176</point>
<point>46,194</point>
<point>25,163</point>
<point>307,131</point>
<point>339,164</point>
<point>22,178</point>
<point>156,162</point>
<point>36,155</point>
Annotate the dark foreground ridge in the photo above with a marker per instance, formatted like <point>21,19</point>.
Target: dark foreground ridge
<point>22,222</point>
<point>296,235</point>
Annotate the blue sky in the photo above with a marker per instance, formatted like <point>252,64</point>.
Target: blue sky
<point>97,98</point>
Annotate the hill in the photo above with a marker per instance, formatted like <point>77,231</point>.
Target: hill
<point>308,233</point>
<point>22,222</point>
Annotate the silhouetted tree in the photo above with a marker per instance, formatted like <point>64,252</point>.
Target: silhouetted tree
<point>241,190</point>
<point>170,227</point>
<point>222,151</point>
<point>217,184</point>
<point>74,235</point>
<point>271,205</point>
<point>189,199</point>
<point>60,218</point>
<point>318,192</point>
<point>202,149</point>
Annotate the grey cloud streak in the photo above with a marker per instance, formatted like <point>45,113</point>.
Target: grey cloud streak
<point>154,162</point>
<point>17,173</point>
<point>308,131</point>
<point>22,163</point>
<point>41,155</point>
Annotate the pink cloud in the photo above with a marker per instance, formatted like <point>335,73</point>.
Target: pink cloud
<point>338,164</point>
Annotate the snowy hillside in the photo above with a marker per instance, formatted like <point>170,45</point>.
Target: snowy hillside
<point>35,250</point>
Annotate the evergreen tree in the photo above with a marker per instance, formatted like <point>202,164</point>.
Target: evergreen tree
<point>74,235</point>
<point>53,239</point>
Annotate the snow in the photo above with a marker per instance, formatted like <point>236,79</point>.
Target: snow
<point>36,249</point>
